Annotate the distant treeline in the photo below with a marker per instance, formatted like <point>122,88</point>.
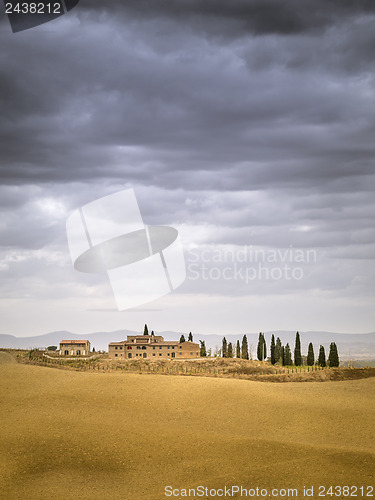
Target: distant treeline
<point>279,354</point>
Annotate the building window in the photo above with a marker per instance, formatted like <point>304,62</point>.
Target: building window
<point>154,354</point>
<point>168,354</point>
<point>116,347</point>
<point>180,346</point>
<point>154,348</point>
<point>116,355</point>
<point>120,346</point>
<point>168,347</point>
<point>78,352</point>
<point>173,347</point>
<point>129,347</point>
<point>160,354</point>
<point>66,353</point>
<point>144,347</point>
<point>160,347</point>
<point>180,353</point>
<point>191,353</point>
<point>129,355</point>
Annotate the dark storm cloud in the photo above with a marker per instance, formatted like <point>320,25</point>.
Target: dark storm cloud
<point>294,109</point>
<point>250,16</point>
<point>222,96</point>
<point>237,122</point>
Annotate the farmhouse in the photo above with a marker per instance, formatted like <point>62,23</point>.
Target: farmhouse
<point>152,347</point>
<point>74,347</point>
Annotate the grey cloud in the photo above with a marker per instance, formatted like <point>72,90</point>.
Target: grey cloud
<point>201,114</point>
<point>247,123</point>
<point>255,16</point>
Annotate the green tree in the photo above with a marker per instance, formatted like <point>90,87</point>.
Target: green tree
<point>190,337</point>
<point>264,347</point>
<point>238,349</point>
<point>203,351</point>
<point>182,338</point>
<point>273,350</point>
<point>288,356</point>
<point>260,348</point>
<point>282,356</point>
<point>333,357</point>
<point>52,348</point>
<point>297,351</point>
<point>244,348</point>
<point>145,330</point>
<point>224,349</point>
<point>310,355</point>
<point>278,353</point>
<point>230,350</point>
<point>322,357</point>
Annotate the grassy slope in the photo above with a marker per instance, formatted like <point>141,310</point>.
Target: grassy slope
<point>85,435</point>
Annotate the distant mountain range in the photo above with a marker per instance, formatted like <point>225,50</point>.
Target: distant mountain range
<point>353,346</point>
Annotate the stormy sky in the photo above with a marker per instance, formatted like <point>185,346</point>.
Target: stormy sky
<point>247,125</point>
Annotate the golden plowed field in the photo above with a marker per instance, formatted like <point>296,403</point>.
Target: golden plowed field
<point>80,435</point>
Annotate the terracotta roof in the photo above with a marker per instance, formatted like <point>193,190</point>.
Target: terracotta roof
<point>74,341</point>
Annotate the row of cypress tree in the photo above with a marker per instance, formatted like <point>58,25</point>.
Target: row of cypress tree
<point>242,351</point>
<point>282,354</point>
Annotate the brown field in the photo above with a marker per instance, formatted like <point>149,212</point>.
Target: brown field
<point>85,435</point>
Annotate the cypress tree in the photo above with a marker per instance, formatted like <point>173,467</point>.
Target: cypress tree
<point>245,348</point>
<point>145,330</point>
<point>273,350</point>
<point>282,355</point>
<point>203,352</point>
<point>278,353</point>
<point>182,338</point>
<point>297,351</point>
<point>310,355</point>
<point>238,349</point>
<point>230,350</point>
<point>225,348</point>
<point>190,337</point>
<point>322,357</point>
<point>260,348</point>
<point>333,357</point>
<point>288,356</point>
<point>264,347</point>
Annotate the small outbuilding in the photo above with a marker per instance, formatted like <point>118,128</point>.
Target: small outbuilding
<point>74,348</point>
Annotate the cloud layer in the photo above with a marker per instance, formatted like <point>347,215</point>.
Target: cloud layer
<point>240,123</point>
